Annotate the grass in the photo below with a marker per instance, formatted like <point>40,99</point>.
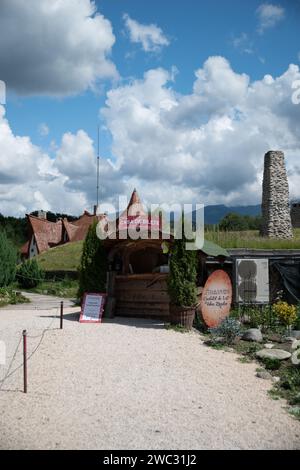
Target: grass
<point>9,297</point>
<point>177,328</point>
<point>251,239</point>
<point>66,289</point>
<point>61,258</point>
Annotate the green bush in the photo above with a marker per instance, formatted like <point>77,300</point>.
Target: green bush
<point>93,264</point>
<point>8,257</point>
<point>29,274</point>
<point>10,297</point>
<point>261,317</point>
<point>183,274</point>
<point>271,363</point>
<point>229,329</point>
<point>290,379</point>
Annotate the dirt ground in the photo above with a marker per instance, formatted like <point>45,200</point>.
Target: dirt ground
<point>131,384</point>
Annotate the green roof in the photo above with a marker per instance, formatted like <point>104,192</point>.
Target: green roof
<point>212,249</point>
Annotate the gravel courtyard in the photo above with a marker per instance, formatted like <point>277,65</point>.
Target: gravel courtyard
<point>131,384</point>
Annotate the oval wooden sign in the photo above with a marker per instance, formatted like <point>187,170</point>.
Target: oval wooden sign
<point>216,298</point>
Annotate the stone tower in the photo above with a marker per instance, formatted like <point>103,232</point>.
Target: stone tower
<point>275,199</point>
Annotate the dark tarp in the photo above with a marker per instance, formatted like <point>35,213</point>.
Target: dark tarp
<point>290,273</point>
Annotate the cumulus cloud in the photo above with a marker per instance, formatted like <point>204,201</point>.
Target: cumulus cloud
<point>268,16</point>
<point>151,37</point>
<point>207,146</point>
<point>30,179</point>
<point>55,48</point>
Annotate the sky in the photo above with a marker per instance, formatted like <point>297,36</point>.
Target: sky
<point>188,96</point>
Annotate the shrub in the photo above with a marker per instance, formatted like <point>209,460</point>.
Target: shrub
<point>262,317</point>
<point>93,264</point>
<point>8,257</point>
<point>229,329</point>
<point>271,363</point>
<point>8,296</point>
<point>29,274</point>
<point>297,322</point>
<point>183,275</point>
<point>290,380</point>
<point>286,313</point>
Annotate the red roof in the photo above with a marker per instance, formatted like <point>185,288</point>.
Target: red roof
<point>49,234</point>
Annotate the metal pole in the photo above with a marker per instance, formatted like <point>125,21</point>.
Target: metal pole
<point>98,162</point>
<point>25,360</point>
<point>61,314</point>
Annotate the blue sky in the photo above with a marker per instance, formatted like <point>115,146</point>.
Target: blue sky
<point>197,29</point>
<point>256,38</point>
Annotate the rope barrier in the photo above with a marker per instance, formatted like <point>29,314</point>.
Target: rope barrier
<point>8,373</point>
<point>10,365</point>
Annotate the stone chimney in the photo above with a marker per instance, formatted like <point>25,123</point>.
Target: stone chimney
<point>42,215</point>
<point>275,198</point>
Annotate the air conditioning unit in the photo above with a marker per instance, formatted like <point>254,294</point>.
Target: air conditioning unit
<point>252,281</point>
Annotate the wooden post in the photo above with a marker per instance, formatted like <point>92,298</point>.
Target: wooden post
<point>61,314</point>
<point>25,360</point>
<point>111,300</point>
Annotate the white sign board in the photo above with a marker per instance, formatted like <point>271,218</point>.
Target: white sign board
<point>92,308</point>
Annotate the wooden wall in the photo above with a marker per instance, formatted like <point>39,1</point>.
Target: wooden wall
<point>142,295</point>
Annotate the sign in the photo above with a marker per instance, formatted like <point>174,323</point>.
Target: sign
<point>92,308</point>
<point>143,222</point>
<point>216,298</point>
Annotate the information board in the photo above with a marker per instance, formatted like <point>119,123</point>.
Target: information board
<point>216,298</point>
<point>92,307</point>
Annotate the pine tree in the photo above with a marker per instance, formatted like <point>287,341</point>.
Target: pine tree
<point>8,261</point>
<point>183,275</point>
<point>93,265</point>
<point>29,274</point>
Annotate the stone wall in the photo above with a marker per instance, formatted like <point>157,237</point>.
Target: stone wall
<point>295,214</point>
<point>275,199</point>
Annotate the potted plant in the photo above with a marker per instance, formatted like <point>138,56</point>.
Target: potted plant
<point>182,284</point>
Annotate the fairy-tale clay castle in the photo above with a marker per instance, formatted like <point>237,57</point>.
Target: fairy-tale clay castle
<point>275,200</point>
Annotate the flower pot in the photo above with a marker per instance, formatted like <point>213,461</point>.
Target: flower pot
<point>183,316</point>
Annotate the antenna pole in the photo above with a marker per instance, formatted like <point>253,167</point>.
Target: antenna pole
<point>98,165</point>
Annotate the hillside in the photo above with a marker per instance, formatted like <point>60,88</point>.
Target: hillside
<point>61,258</point>
<point>214,214</point>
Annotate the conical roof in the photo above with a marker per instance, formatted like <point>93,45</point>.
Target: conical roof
<point>135,206</point>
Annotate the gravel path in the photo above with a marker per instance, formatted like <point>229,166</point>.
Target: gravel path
<point>132,384</point>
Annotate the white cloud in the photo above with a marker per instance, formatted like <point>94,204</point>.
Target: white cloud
<point>151,37</point>
<point>56,47</point>
<point>30,179</point>
<point>242,43</point>
<point>43,129</point>
<point>269,15</point>
<point>207,146</point>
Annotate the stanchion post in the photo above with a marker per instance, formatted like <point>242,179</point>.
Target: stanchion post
<point>25,360</point>
<point>61,314</point>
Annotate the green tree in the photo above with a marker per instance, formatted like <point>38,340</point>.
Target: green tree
<point>183,275</point>
<point>29,274</point>
<point>93,265</point>
<point>8,261</point>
